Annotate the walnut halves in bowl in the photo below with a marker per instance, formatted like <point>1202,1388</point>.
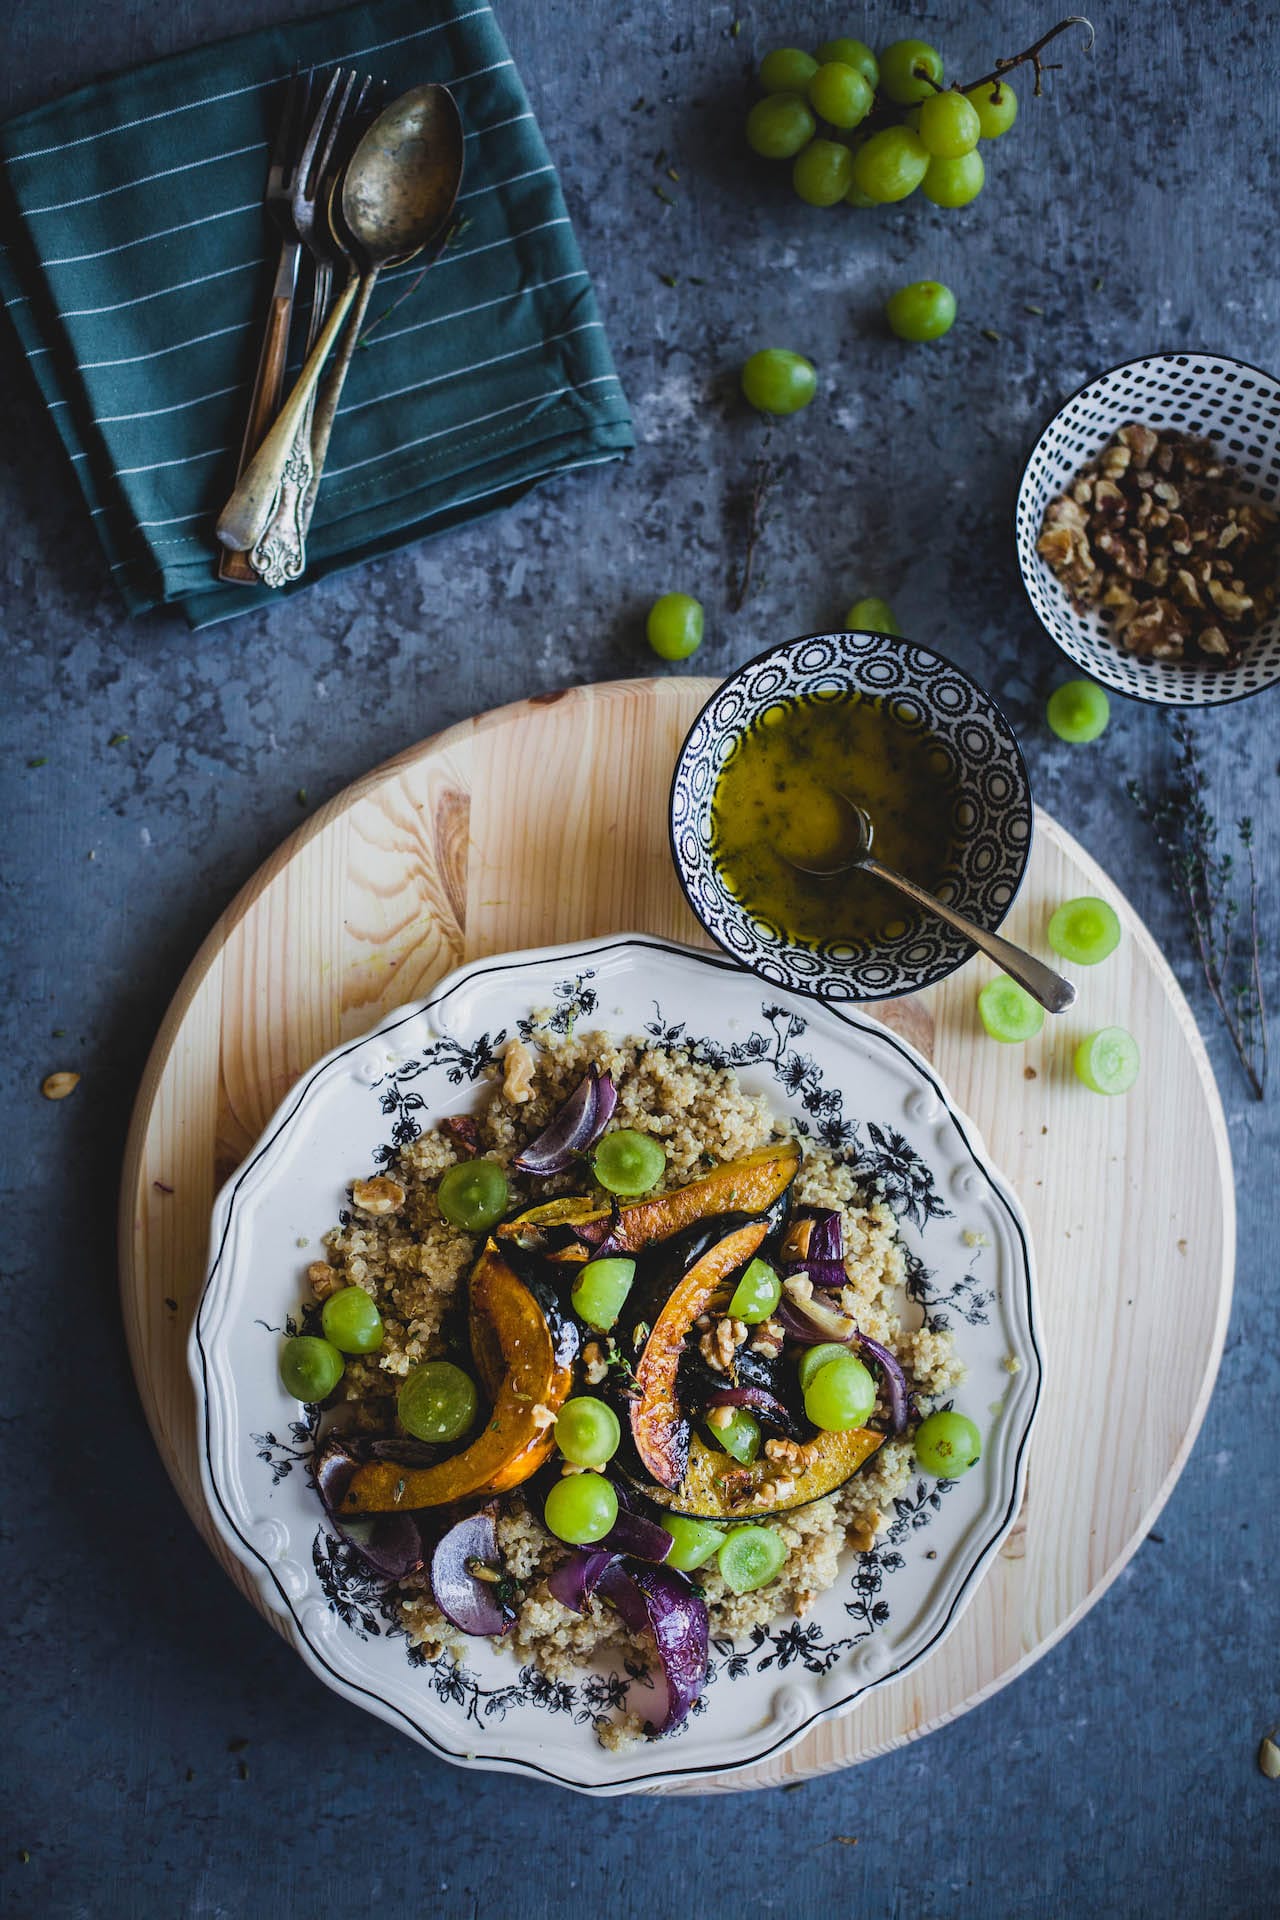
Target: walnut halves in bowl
<point>1149,535</point>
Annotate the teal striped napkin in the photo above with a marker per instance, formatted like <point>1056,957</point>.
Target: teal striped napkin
<point>136,267</point>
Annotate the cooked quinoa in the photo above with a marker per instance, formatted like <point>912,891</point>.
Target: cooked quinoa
<point>416,1265</point>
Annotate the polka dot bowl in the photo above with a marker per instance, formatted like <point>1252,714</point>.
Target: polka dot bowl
<point>1233,406</point>
<point>991,834</point>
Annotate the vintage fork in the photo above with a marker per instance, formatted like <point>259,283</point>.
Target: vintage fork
<point>300,130</point>
<point>280,553</point>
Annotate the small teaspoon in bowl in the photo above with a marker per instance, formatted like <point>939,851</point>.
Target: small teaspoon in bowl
<point>1041,982</point>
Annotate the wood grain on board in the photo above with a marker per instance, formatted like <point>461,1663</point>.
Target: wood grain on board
<point>546,822</point>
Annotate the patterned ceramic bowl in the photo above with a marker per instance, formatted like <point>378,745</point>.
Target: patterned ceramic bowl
<point>1208,397</point>
<point>992,812</point>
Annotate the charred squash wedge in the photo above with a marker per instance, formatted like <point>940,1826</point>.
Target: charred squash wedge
<point>658,1428</point>
<point>513,1445</point>
<point>750,1185</point>
<point>716,1487</point>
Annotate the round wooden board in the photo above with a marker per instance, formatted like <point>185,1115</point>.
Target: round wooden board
<point>545,822</point>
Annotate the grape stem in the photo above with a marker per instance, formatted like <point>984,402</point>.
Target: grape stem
<point>1032,54</point>
<point>764,477</point>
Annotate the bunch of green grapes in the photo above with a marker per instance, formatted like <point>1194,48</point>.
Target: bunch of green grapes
<point>868,131</point>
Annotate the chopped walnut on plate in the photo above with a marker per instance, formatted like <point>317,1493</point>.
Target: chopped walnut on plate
<point>1149,535</point>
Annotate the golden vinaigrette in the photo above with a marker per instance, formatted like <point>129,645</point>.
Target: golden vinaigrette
<point>773,805</point>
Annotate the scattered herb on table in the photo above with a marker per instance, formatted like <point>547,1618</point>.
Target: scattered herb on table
<point>117,739</point>
<point>764,478</point>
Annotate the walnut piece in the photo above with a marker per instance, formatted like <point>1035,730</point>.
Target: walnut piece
<point>517,1073</point>
<point>595,1367</point>
<point>786,1453</point>
<point>721,1341</point>
<point>381,1194</point>
<point>324,1279</point>
<point>767,1340</point>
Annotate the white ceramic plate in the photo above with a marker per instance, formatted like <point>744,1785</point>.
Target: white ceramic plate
<point>841,1077</point>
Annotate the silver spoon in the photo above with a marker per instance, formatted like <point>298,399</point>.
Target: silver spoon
<point>1041,982</point>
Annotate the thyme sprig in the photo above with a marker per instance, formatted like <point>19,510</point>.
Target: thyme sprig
<point>764,478</point>
<point>1227,939</point>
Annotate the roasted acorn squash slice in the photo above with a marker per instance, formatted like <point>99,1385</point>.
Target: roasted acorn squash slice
<point>717,1487</point>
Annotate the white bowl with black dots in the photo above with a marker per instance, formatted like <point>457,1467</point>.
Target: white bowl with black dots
<point>1236,408</point>
<point>990,831</point>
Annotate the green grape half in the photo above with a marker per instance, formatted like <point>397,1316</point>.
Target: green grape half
<point>890,165</point>
<point>1108,1061</point>
<point>751,1557</point>
<point>924,310</point>
<point>840,94</point>
<point>872,615</point>
<point>581,1509</point>
<point>856,54</point>
<point>473,1195</point>
<point>840,1395</point>
<point>674,626</point>
<point>756,1294</point>
<point>947,1444</point>
<point>310,1368</point>
<point>740,1436</point>
<point>787,70</point>
<point>692,1541</point>
<point>628,1162</point>
<point>600,1291</point>
<point>996,105</point>
<point>1084,930</point>
<point>949,125</point>
<point>777,381</point>
<point>587,1431</point>
<point>437,1401</point>
<point>1078,711</point>
<point>779,126</point>
<point>822,173</point>
<point>903,67</point>
<point>813,1359</point>
<point>1007,1010</point>
<point>954,183</point>
<point>351,1321</point>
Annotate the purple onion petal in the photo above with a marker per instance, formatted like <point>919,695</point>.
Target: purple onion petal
<point>394,1548</point>
<point>759,1399</point>
<point>472,1605</point>
<point>632,1534</point>
<point>577,1126</point>
<point>574,1581</point>
<point>665,1603</point>
<point>811,1321</point>
<point>823,1273</point>
<point>894,1378</point>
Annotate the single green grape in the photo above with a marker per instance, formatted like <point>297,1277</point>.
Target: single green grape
<point>600,1290</point>
<point>751,1557</point>
<point>587,1431</point>
<point>949,125</point>
<point>779,125</point>
<point>1084,930</point>
<point>776,381</point>
<point>787,70</point>
<point>856,54</point>
<point>840,1395</point>
<point>674,626</point>
<point>352,1321</point>
<point>840,94</point>
<point>756,1294</point>
<point>822,173</point>
<point>740,1437</point>
<point>924,310</point>
<point>310,1368</point>
<point>903,67</point>
<point>473,1195</point>
<point>1007,1010</point>
<point>872,615</point>
<point>1078,711</point>
<point>890,165</point>
<point>954,183</point>
<point>1108,1060</point>
<point>581,1509</point>
<point>437,1401</point>
<point>947,1445</point>
<point>813,1359</point>
<point>996,105</point>
<point>692,1542</point>
<point>628,1162</point>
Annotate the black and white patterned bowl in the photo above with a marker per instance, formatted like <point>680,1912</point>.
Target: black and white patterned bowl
<point>1205,395</point>
<point>992,835</point>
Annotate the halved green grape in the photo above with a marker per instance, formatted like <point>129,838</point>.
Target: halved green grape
<point>674,626</point>
<point>1078,711</point>
<point>751,1557</point>
<point>600,1290</point>
<point>473,1195</point>
<point>756,1294</point>
<point>899,77</point>
<point>840,94</point>
<point>856,54</point>
<point>740,1437</point>
<point>692,1542</point>
<point>1007,1010</point>
<point>872,615</point>
<point>352,1321</point>
<point>787,70</point>
<point>1108,1060</point>
<point>813,1359</point>
<point>949,125</point>
<point>822,173</point>
<point>947,1445</point>
<point>954,183</point>
<point>777,127</point>
<point>776,381</point>
<point>581,1509</point>
<point>310,1368</point>
<point>437,1401</point>
<point>890,165</point>
<point>924,310</point>
<point>840,1395</point>
<point>1084,930</point>
<point>628,1162</point>
<point>587,1431</point>
<point>996,105</point>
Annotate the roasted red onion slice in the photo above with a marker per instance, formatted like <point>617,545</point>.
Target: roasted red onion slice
<point>643,1539</point>
<point>813,1233</point>
<point>894,1378</point>
<point>760,1401</point>
<point>578,1125</point>
<point>472,1604</point>
<point>665,1603</point>
<point>823,1273</point>
<point>574,1581</point>
<point>809,1322</point>
<point>391,1546</point>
